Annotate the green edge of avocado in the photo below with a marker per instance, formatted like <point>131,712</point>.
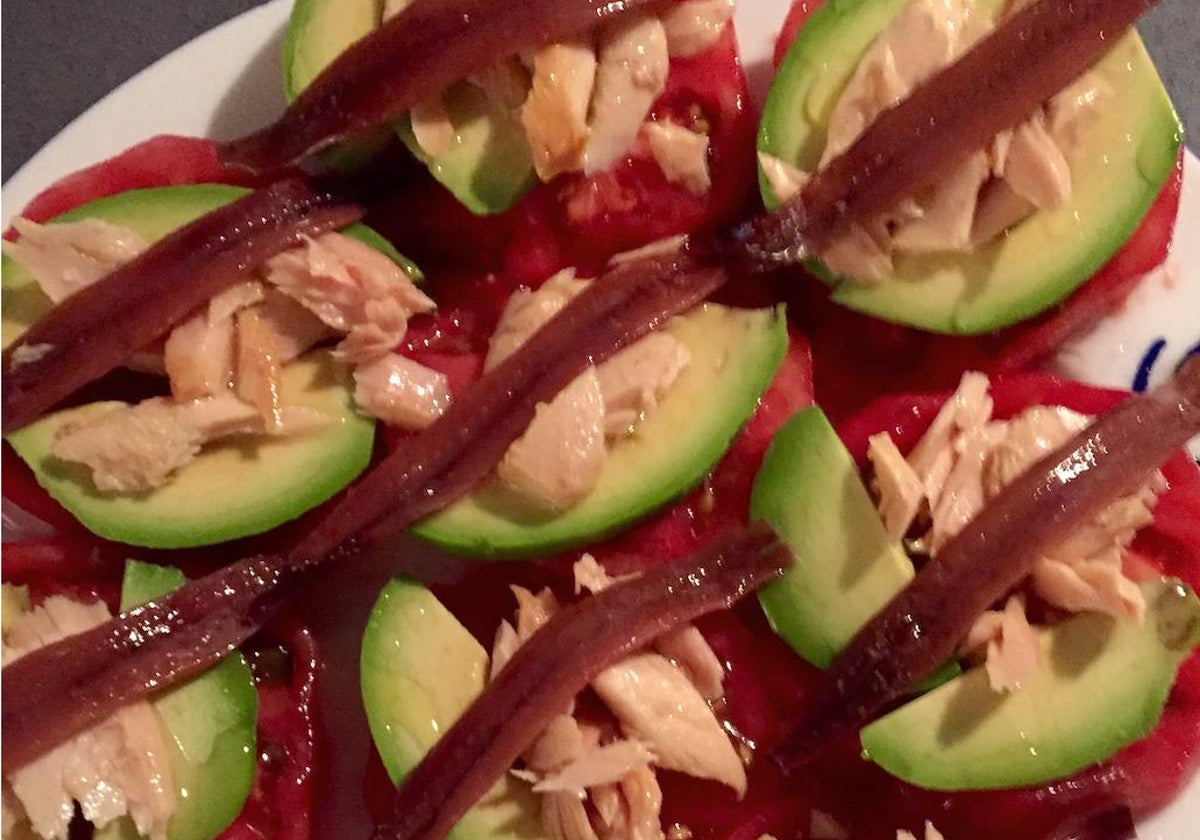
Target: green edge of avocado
<point>490,167</point>
<point>734,356</point>
<point>1102,684</point>
<point>210,726</point>
<point>247,488</point>
<point>1028,270</point>
<point>420,669</point>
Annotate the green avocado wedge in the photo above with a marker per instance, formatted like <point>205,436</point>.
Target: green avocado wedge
<point>232,489</point>
<point>1101,684</point>
<point>420,669</point>
<point>734,355</point>
<point>490,165</point>
<point>210,724</point>
<point>1124,159</point>
<point>846,568</point>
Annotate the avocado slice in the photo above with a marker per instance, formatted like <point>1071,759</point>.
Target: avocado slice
<point>210,722</point>
<point>153,213</point>
<point>490,166</point>
<point>846,568</point>
<point>734,356</point>
<point>1121,165</point>
<point>420,669</point>
<point>231,490</point>
<point>1102,684</point>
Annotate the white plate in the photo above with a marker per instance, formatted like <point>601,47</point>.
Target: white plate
<point>227,83</point>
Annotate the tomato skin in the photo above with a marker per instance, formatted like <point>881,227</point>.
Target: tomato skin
<point>158,162</point>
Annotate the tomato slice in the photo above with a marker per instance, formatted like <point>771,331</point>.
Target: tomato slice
<point>580,221</point>
<point>767,683</point>
<point>858,356</point>
<point>158,162</point>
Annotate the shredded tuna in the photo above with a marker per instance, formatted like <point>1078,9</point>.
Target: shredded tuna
<point>533,610</point>
<point>64,258</point>
<point>631,71</point>
<point>257,372</point>
<point>526,311</point>
<point>1096,584</point>
<point>239,296</point>
<point>563,741</point>
<point>559,458</point>
<point>633,381</point>
<point>564,817</point>
<point>432,128</point>
<point>785,179</point>
<point>657,248</point>
<point>504,646</point>
<point>964,460</point>
<point>296,329</point>
<point>556,111</point>
<point>353,289</point>
<point>506,82</point>
<point>597,766</point>
<point>1013,652</point>
<point>931,833</point>
<point>589,575</point>
<point>657,704</point>
<point>401,392</point>
<point>132,449</point>
<point>119,767</point>
<point>1025,169</point>
<point>691,653</point>
<point>198,357</point>
<point>694,26</point>
<point>900,491</point>
<point>681,154</point>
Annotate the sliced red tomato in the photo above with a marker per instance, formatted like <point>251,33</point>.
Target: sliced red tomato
<point>767,684</point>
<point>858,356</point>
<point>280,805</point>
<point>580,221</point>
<point>158,162</point>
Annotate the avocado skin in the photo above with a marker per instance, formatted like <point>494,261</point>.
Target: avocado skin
<point>419,670</point>
<point>734,356</point>
<point>247,494</point>
<point>212,716</point>
<point>1102,684</point>
<point>1040,261</point>
<point>846,568</point>
<point>490,167</point>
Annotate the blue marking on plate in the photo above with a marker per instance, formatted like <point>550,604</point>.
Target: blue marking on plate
<point>1141,379</point>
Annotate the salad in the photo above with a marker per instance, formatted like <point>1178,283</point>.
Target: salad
<point>607,386</point>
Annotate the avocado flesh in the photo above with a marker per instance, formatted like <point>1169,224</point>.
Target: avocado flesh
<point>846,567</point>
<point>153,213</point>
<point>490,166</point>
<point>249,488</point>
<point>240,486</point>
<point>420,669</point>
<point>1102,684</point>
<point>734,356</point>
<point>1121,165</point>
<point>209,725</point>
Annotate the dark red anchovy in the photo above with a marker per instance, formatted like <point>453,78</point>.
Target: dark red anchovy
<point>1029,57</point>
<point>93,331</point>
<point>923,625</point>
<point>558,662</point>
<point>57,691</point>
<point>415,55</point>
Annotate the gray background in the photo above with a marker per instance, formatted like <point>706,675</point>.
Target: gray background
<point>60,56</point>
